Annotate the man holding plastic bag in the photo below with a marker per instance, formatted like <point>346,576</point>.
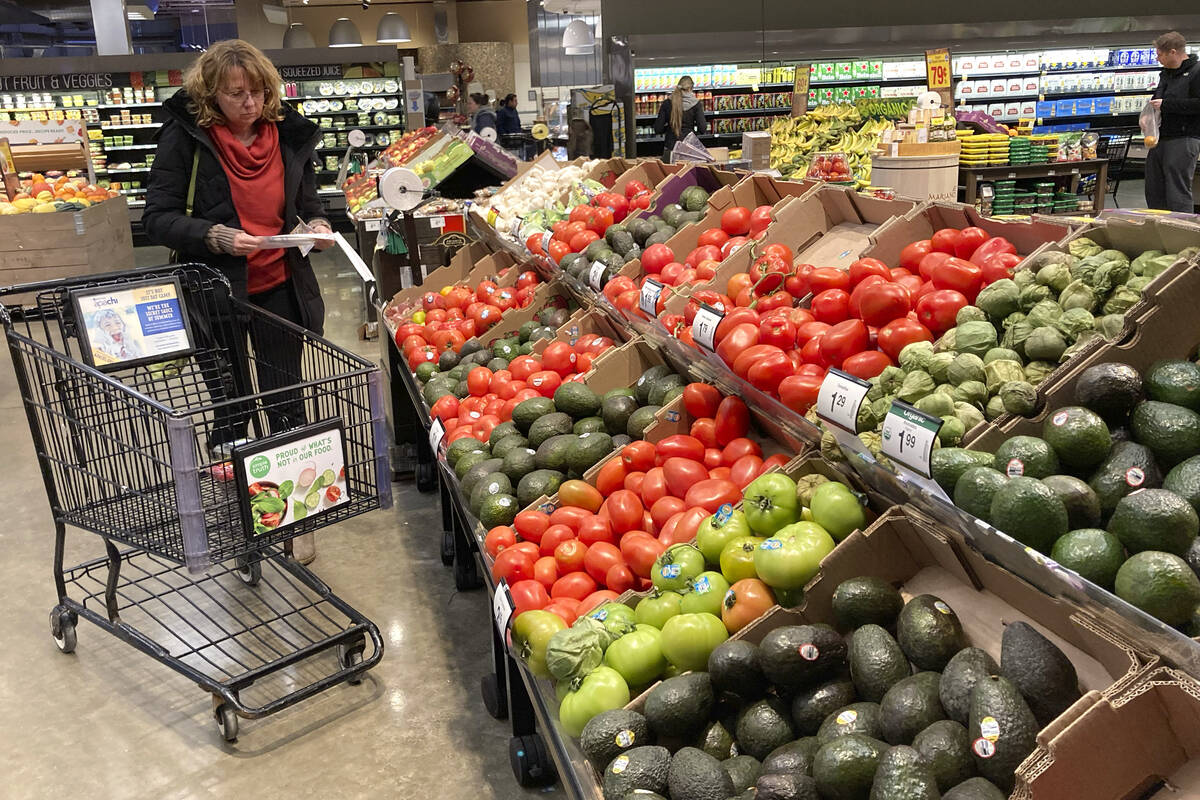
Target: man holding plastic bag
<point>1171,124</point>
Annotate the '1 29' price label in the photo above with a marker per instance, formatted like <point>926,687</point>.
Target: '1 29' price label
<point>840,398</point>
<point>908,436</point>
<point>704,327</point>
<point>648,299</point>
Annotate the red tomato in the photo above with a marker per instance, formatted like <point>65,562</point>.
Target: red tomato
<point>856,295</point>
<point>733,318</point>
<point>868,266</point>
<point>736,221</point>
<point>545,382</point>
<point>713,236</point>
<point>580,214</point>
<point>738,448</point>
<point>560,357</point>
<point>844,340</point>
<point>545,571</point>
<point>732,420</point>
<point>681,473</point>
<point>745,469</point>
<point>899,333</point>
<point>712,458</point>
<point>596,529</point>
<point>601,220</point>
<point>432,300</point>
<point>664,509</point>
<point>619,578</point>
<point>575,585</point>
<point>712,494</point>
<point>703,253</point>
<point>777,460</point>
<point>599,560</point>
<point>611,476</point>
<point>559,250</point>
<point>689,522</point>
<point>513,565</point>
<point>911,255</point>
<point>823,278</point>
<point>638,456</point>
<point>445,408</point>
<point>883,302</point>
<point>946,240</point>
<point>931,262</point>
<point>831,306</point>
<point>528,595</point>
<point>560,609</point>
<point>595,600</point>
<point>999,266</point>
<point>959,275</point>
<point>640,549</point>
<point>811,353</point>
<point>969,240</point>
<point>778,331</point>
<point>581,240</point>
<point>634,188</point>
<point>670,273</point>
<point>866,364</point>
<point>810,330</point>
<point>478,381</point>
<point>571,516</point>
<point>760,218</point>
<point>570,555</point>
<point>554,536</point>
<point>991,248</point>
<point>522,367</point>
<point>422,354</point>
<point>624,510</point>
<point>654,487</point>
<point>498,538</point>
<point>705,429</point>
<point>701,399</point>
<point>938,309</point>
<point>531,524</point>
<point>633,482</point>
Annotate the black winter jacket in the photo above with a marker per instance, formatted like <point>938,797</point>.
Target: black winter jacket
<point>166,220</point>
<point>1179,89</point>
<point>693,120</point>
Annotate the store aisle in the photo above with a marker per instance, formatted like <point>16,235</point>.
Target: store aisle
<point>107,722</point>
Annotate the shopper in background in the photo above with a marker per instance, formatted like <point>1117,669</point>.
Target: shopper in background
<point>508,119</point>
<point>248,158</point>
<point>680,114</point>
<point>1171,165</point>
<point>482,115</point>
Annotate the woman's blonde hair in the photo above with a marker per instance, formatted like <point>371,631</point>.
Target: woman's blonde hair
<point>204,78</point>
<point>685,85</point>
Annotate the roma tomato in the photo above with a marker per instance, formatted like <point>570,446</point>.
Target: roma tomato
<point>595,600</point>
<point>596,529</point>
<point>737,448</point>
<point>545,571</point>
<point>665,508</point>
<point>570,515</point>
<point>679,446</point>
<point>831,306</point>
<point>689,523</point>
<point>580,494</point>
<point>681,473</point>
<point>531,525</point>
<point>883,302</point>
<point>633,482</point>
<point>554,536</point>
<point>712,494</point>
<point>701,400</point>
<point>931,262</point>
<point>768,371</point>
<point>732,420</point>
<point>712,458</point>
<point>570,555</point>
<point>600,559</point>
<point>576,586</point>
<point>611,476</point>
<point>969,240</point>
<point>938,309</point>
<point>810,330</point>
<point>959,275</point>
<point>899,333</point>
<point>498,538</point>
<point>741,337</point>
<point>736,221</point>
<point>654,487</point>
<point>778,331</point>
<point>911,255</point>
<point>705,429</point>
<point>624,510</point>
<point>619,578</point>
<point>638,456</point>
<point>640,549</point>
<point>867,364</point>
<point>946,240</point>
<point>844,340</point>
<point>513,565</point>
<point>799,392</point>
<point>823,278</point>
<point>868,266</point>
<point>744,470</point>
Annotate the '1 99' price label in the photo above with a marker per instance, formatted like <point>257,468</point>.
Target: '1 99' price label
<point>840,398</point>
<point>648,300</point>
<point>908,436</point>
<point>436,431</point>
<point>704,327</point>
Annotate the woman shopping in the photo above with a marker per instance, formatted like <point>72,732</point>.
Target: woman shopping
<point>482,114</point>
<point>679,115</point>
<point>234,165</point>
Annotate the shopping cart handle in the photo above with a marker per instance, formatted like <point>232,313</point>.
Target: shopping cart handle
<point>369,284</point>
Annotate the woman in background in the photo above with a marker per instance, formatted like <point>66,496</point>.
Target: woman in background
<point>679,115</point>
<point>507,117</point>
<point>482,115</point>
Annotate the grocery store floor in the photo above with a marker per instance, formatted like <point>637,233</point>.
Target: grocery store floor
<point>108,722</point>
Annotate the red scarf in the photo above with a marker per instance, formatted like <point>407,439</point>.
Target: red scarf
<point>256,182</point>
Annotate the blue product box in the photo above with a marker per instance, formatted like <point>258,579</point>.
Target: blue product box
<point>1045,108</point>
<point>1103,105</point>
<point>1085,105</point>
<point>1064,108</point>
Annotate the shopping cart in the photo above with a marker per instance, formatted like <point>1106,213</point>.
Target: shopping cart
<point>149,451</point>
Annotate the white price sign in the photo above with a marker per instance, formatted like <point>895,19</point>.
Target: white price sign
<point>596,275</point>
<point>437,222</point>
<point>502,609</point>
<point>840,398</point>
<point>372,225</point>
<point>648,300</point>
<point>437,431</point>
<point>908,436</point>
<point>704,327</point>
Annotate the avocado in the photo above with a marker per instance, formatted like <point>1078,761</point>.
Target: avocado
<point>1161,584</point>
<point>975,789</point>
<point>1192,556</point>
<point>717,741</point>
<point>1094,553</point>
<point>794,656</point>
<point>498,509</point>
<point>1111,390</point>
<point>947,464</point>
<point>929,632</point>
<point>1155,519</point>
<point>785,787</point>
<point>640,420</point>
<point>610,733</point>
<point>460,447</point>
<point>857,718</point>
<point>529,411</point>
<point>497,364</point>
<point>692,198</point>
<point>903,775</point>
<point>646,381</point>
<point>844,768</point>
<point>552,453</point>
<point>660,236</point>
<point>501,447</point>
<point>641,230</point>
<point>792,758</point>
<point>1078,436</point>
<point>1081,502</point>
<point>461,390</point>
<point>437,388</point>
<point>588,425</point>
<point>556,423</point>
<point>587,450</point>
<point>427,369</point>
<point>876,662</point>
<point>762,726</point>
<point>615,411</point>
<point>811,705</point>
<point>1042,673</point>
<point>642,767</point>
<point>620,440</point>
<point>1184,480</point>
<point>679,706</point>
<point>493,484</point>
<point>976,488</point>
<point>946,749</point>
<point>911,706</point>
<point>477,472</point>
<point>470,459</point>
<point>539,483</point>
<point>743,771</point>
<point>866,600</point>
<point>526,329</point>
<point>672,213</point>
<point>1129,467</point>
<point>1025,455</point>
<point>577,400</point>
<point>518,462</point>
<point>695,775</point>
<point>1002,729</point>
<point>622,243</point>
<point>1175,382</point>
<point>1027,510</point>
<point>967,668</point>
<point>1171,432</point>
<point>447,361</point>
<point>661,387</point>
<point>734,667</point>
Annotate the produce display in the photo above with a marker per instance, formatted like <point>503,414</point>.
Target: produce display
<point>447,318</point>
<point>45,194</point>
<point>796,141</point>
<point>401,151</point>
<point>538,190</point>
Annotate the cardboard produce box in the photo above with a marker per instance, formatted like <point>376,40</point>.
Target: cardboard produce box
<point>66,244</point>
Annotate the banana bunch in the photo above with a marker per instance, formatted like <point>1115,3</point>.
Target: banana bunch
<point>837,128</point>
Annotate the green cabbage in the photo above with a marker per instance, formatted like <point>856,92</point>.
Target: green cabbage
<point>1045,344</point>
<point>999,299</point>
<point>916,355</point>
<point>975,337</point>
<point>1051,257</point>
<point>1019,397</point>
<point>1123,299</point>
<point>965,367</point>
<point>916,385</point>
<point>1056,276</point>
<point>1110,326</point>
<point>969,314</point>
<point>951,432</point>
<point>1033,294</point>
<point>1044,313</point>
<point>1139,283</point>
<point>1013,319</point>
<point>997,353</point>
<point>1110,276</point>
<point>1084,247</point>
<point>1084,271</point>
<point>994,408</point>
<point>1078,294</point>
<point>1157,266</point>
<point>1014,337</point>
<point>1024,277</point>
<point>1075,322</point>
<point>1084,343</point>
<point>939,366</point>
<point>969,414</point>
<point>1001,372</point>
<point>974,392</point>
<point>948,343</point>
<point>1038,371</point>
<point>1138,265</point>
<point>574,652</point>
<point>938,404</point>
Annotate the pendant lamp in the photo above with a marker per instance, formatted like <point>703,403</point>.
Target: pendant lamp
<point>344,33</point>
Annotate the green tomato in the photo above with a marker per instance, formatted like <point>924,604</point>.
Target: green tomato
<point>769,503</point>
<point>717,530</point>
<point>837,509</point>
<point>677,565</point>
<point>737,558</point>
<point>706,593</point>
<point>688,640</point>
<point>617,619</point>
<point>637,656</point>
<point>793,556</point>
<point>655,609</point>
<point>602,689</point>
<point>531,632</point>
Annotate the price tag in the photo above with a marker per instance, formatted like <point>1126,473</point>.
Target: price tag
<point>840,398</point>
<point>908,436</point>
<point>596,275</point>
<point>437,222</point>
<point>937,69</point>
<point>547,237</point>
<point>516,227</point>
<point>704,326</point>
<point>371,225</point>
<point>437,432</point>
<point>648,300</point>
<point>502,609</point>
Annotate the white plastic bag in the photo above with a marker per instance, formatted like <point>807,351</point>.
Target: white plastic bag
<point>1149,121</point>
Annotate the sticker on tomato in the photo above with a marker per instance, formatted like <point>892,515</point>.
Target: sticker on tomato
<point>599,615</point>
<point>847,716</point>
<point>704,326</point>
<point>1060,419</point>
<point>625,738</point>
<point>702,585</point>
<point>983,748</point>
<point>771,544</point>
<point>1135,477</point>
<point>809,652</point>
<point>723,515</point>
<point>1015,468</point>
<point>989,729</point>
<point>648,299</point>
<point>671,570</point>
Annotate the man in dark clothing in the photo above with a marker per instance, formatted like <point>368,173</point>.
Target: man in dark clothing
<point>507,118</point>
<point>1171,163</point>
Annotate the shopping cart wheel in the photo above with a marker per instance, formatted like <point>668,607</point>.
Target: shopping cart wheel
<point>447,548</point>
<point>250,572</point>
<point>62,628</point>
<point>227,722</point>
<point>426,477</point>
<point>531,762</point>
<point>466,576</point>
<point>493,696</point>
<point>349,656</point>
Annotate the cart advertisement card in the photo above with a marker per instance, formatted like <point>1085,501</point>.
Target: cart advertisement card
<point>292,476</point>
<point>133,323</point>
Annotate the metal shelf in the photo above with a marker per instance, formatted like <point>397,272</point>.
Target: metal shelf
<point>129,147</point>
<point>340,96</point>
<point>130,127</point>
<point>128,105</point>
<point>127,170</point>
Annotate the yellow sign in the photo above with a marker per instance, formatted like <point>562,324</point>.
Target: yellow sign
<point>747,77</point>
<point>800,91</point>
<point>937,69</point>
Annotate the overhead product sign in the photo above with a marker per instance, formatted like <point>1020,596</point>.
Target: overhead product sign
<point>800,90</point>
<point>130,324</point>
<point>937,73</point>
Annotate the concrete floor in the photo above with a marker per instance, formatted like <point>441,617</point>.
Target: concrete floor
<point>108,722</point>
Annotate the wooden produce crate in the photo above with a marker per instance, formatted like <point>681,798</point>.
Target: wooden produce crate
<point>38,247</point>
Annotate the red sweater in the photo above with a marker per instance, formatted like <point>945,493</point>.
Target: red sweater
<point>256,182</point>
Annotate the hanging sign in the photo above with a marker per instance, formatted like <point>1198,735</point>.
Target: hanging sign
<point>937,73</point>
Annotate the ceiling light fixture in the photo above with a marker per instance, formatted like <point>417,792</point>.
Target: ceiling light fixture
<point>392,29</point>
<point>578,39</point>
<point>344,33</point>
<point>297,36</point>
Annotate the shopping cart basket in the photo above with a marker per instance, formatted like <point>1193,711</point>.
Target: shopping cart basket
<point>152,429</point>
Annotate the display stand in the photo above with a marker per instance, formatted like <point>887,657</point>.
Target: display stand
<point>972,176</point>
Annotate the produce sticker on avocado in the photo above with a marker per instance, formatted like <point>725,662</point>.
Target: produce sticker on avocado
<point>291,476</point>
